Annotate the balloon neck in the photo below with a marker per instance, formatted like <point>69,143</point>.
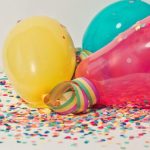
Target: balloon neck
<point>75,96</point>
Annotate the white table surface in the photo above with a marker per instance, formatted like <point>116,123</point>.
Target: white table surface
<point>103,130</point>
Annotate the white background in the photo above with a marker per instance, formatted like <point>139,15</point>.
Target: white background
<point>74,14</point>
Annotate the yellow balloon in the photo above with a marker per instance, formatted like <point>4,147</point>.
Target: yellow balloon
<point>38,55</point>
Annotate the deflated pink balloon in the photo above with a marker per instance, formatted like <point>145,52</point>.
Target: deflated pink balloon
<point>121,70</point>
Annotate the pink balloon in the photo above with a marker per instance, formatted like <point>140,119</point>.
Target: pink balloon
<point>121,70</point>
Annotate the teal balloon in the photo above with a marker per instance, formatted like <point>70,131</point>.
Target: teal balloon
<point>113,20</point>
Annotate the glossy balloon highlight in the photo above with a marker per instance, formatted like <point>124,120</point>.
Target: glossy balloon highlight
<point>113,20</point>
<point>121,70</point>
<point>38,55</point>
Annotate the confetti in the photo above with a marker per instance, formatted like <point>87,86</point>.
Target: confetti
<point>86,142</point>
<point>23,124</point>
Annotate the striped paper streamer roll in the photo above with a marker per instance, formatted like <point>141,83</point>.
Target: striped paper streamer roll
<point>82,54</point>
<point>75,96</point>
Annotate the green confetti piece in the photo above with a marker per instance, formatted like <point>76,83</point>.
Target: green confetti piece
<point>122,148</point>
<point>86,142</point>
<point>74,144</point>
<point>146,146</point>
